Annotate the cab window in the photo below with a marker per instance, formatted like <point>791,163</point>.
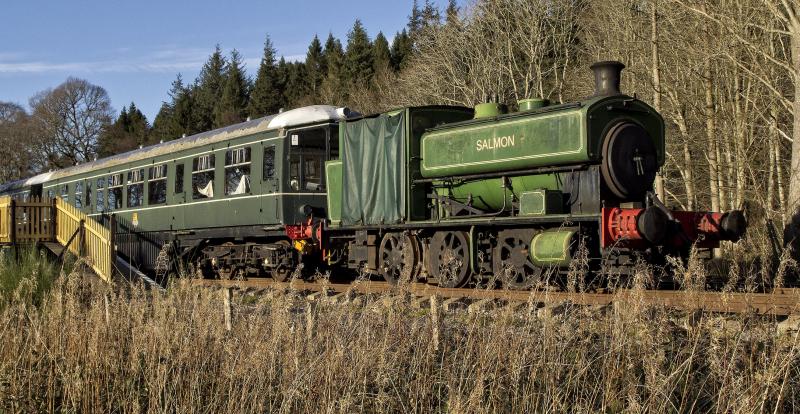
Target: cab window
<point>307,155</point>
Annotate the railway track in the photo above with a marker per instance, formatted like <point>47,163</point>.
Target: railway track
<point>782,302</point>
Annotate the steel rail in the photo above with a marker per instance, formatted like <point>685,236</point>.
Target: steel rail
<point>782,302</point>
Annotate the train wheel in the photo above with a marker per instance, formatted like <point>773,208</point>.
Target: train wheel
<point>398,257</point>
<point>449,258</point>
<point>512,262</point>
<point>283,273</point>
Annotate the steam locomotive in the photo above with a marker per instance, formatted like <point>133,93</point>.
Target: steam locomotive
<point>447,195</point>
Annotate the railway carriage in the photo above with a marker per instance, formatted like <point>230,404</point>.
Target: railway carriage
<point>222,193</point>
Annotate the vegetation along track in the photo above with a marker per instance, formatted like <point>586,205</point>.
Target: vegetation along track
<point>781,302</point>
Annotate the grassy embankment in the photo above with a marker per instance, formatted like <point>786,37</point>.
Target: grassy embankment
<point>87,348</point>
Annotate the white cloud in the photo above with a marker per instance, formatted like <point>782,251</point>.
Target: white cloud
<point>164,60</point>
<point>168,59</point>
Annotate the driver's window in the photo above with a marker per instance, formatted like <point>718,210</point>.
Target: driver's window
<point>306,158</point>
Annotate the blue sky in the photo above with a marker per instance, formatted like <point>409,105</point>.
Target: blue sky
<point>134,49</point>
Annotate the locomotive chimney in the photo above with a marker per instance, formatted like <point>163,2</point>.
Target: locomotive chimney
<point>607,77</point>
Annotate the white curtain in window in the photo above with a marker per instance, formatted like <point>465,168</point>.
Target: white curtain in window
<point>243,187</point>
<point>207,190</point>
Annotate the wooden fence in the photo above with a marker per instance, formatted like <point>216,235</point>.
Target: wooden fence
<point>40,220</point>
<point>28,221</point>
<point>85,237</point>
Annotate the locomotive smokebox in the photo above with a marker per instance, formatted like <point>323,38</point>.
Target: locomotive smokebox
<point>607,76</point>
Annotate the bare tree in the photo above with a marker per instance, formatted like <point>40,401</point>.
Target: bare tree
<point>68,121</point>
<point>15,138</point>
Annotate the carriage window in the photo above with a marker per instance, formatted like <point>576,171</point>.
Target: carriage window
<point>79,194</point>
<point>101,202</point>
<point>115,192</point>
<point>135,188</point>
<point>157,184</point>
<point>269,162</point>
<point>65,193</point>
<point>178,178</point>
<point>88,193</point>
<point>203,177</point>
<point>237,171</point>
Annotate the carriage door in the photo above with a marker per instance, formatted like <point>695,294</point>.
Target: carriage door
<point>270,180</point>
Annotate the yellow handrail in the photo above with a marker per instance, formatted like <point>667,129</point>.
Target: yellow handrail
<point>92,241</point>
<point>5,219</point>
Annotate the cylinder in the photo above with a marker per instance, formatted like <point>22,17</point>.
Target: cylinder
<point>553,247</point>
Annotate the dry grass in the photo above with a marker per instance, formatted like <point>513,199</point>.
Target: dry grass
<point>87,348</point>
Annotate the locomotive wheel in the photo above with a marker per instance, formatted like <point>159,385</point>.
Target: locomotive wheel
<point>449,258</point>
<point>398,258</point>
<point>282,273</point>
<point>511,260</point>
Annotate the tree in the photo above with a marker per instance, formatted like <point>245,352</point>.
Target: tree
<point>128,132</point>
<point>381,56</point>
<point>175,118</point>
<point>265,98</point>
<point>232,106</point>
<point>68,121</point>
<point>315,66</point>
<point>358,59</point>
<point>333,89</point>
<point>208,90</point>
<point>401,49</point>
<point>15,140</point>
<point>294,84</point>
<point>451,13</point>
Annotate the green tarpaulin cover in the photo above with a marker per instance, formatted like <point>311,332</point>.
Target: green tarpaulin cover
<point>373,158</point>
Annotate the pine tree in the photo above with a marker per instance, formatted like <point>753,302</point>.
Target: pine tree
<point>175,118</point>
<point>315,67</point>
<point>282,80</point>
<point>451,12</point>
<point>333,88</point>
<point>415,20</point>
<point>333,56</point>
<point>295,85</point>
<point>380,53</point>
<point>358,61</point>
<point>208,90</point>
<point>138,125</point>
<point>232,106</point>
<point>401,49</point>
<point>266,96</point>
<point>128,132</point>
<point>430,15</point>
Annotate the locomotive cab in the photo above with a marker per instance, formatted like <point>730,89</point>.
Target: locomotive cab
<point>303,181</point>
